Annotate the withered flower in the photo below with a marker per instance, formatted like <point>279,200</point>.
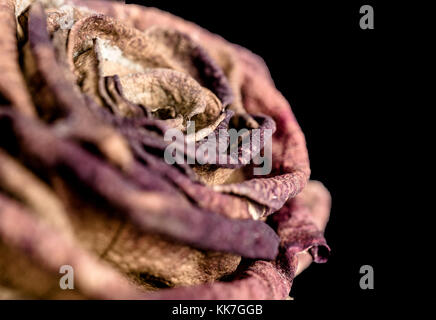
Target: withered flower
<point>88,91</point>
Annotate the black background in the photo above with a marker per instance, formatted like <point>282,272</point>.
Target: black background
<point>335,76</point>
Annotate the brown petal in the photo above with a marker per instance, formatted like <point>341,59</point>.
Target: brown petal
<point>297,224</point>
<point>12,86</point>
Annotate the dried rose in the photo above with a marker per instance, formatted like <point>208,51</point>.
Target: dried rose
<point>83,177</point>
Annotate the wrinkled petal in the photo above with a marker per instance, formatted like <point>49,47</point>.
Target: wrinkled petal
<point>88,91</point>
<point>297,225</point>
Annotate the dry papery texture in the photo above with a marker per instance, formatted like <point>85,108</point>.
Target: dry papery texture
<point>87,92</point>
